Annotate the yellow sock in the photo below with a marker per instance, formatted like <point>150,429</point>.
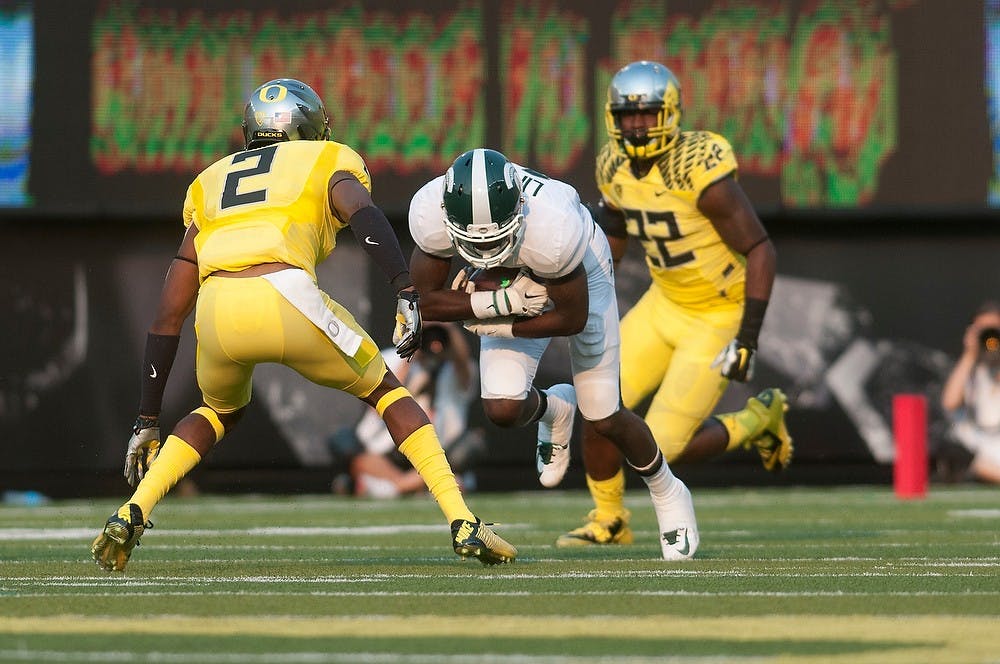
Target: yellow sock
<point>608,495</point>
<point>175,460</point>
<point>423,449</point>
<point>742,426</point>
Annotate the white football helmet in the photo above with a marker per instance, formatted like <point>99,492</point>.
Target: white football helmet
<point>482,203</point>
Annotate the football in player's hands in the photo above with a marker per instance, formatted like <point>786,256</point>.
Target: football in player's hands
<point>494,278</point>
<point>503,291</point>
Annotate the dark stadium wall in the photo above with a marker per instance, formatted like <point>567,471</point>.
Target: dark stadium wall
<point>859,314</point>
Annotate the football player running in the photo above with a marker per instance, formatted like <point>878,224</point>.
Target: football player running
<point>696,327</point>
<point>257,223</point>
<point>492,212</point>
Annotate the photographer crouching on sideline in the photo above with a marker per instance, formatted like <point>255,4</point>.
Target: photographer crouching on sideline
<point>971,395</point>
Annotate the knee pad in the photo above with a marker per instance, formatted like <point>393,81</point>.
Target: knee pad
<point>507,379</point>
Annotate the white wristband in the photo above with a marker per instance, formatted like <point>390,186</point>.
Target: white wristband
<point>502,328</point>
<point>489,304</point>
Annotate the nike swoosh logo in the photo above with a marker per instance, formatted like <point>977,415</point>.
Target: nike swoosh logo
<point>687,545</point>
<point>660,193</point>
<point>676,535</point>
<point>369,240</point>
<point>152,374</point>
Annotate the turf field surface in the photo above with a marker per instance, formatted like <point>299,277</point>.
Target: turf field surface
<point>783,575</point>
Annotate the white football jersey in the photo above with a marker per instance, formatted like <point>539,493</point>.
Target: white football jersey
<point>557,230</point>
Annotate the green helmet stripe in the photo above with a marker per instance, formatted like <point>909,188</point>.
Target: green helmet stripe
<point>459,203</point>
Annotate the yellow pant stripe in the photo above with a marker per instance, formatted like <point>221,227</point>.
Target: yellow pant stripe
<point>213,419</point>
<point>389,398</point>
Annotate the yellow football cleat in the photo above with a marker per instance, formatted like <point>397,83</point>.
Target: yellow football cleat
<point>774,444</point>
<point>599,531</point>
<point>475,539</point>
<point>112,548</point>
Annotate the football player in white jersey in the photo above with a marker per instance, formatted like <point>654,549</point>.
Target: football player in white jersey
<point>494,213</point>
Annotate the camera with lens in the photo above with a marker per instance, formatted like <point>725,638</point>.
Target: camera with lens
<point>989,339</point>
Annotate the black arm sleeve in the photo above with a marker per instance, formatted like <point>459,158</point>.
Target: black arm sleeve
<point>611,221</point>
<point>753,317</point>
<point>158,359</point>
<point>375,234</point>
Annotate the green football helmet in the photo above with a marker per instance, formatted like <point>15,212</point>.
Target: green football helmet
<point>284,110</point>
<point>482,203</point>
<point>642,86</point>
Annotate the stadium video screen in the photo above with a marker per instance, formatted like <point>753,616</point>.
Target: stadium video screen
<point>16,78</point>
<point>829,105</point>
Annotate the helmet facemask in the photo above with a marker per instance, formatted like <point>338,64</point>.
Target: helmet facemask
<point>483,207</point>
<point>284,110</point>
<point>644,86</point>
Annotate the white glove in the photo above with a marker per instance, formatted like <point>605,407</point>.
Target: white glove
<point>143,447</point>
<point>497,327</point>
<point>735,361</point>
<point>524,297</point>
<point>409,326</point>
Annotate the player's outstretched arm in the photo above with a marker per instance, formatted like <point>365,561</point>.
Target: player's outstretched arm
<point>438,302</point>
<point>177,300</point>
<point>726,205</point>
<point>352,201</point>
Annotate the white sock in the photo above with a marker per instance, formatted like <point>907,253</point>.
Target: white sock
<point>554,407</point>
<point>662,483</point>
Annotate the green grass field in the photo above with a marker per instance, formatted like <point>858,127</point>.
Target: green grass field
<point>783,575</point>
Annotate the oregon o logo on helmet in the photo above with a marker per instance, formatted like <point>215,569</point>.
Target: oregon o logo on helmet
<point>282,91</point>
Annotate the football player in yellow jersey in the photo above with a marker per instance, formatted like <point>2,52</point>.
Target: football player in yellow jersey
<point>696,327</point>
<point>258,221</point>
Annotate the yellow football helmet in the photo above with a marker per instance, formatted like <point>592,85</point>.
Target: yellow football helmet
<point>642,86</point>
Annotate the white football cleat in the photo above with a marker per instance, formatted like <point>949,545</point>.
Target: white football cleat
<point>678,527</point>
<point>552,451</point>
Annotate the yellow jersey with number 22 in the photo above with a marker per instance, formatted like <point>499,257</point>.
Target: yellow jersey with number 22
<point>688,261</point>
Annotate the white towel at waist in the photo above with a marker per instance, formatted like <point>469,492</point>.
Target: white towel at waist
<point>298,288</point>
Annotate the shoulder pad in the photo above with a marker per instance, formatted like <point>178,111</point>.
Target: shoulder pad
<point>697,160</point>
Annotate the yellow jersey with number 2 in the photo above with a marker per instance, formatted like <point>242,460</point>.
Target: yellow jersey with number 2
<point>269,205</point>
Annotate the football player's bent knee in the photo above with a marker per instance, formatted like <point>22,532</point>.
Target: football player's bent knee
<point>213,419</point>
<point>609,426</point>
<point>391,397</point>
<point>503,412</point>
<point>229,420</point>
<point>506,378</point>
<point>597,396</point>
